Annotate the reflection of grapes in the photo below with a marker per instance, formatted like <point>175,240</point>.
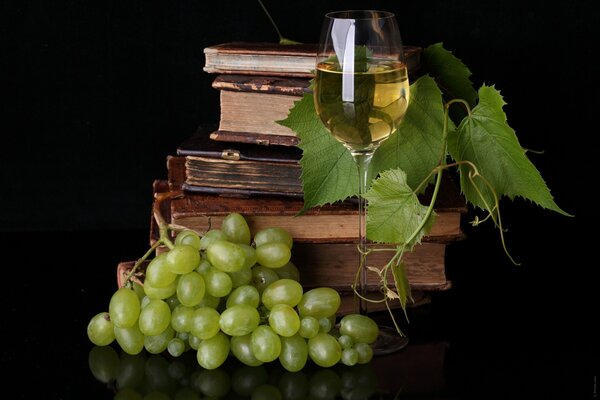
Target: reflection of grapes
<point>154,376</point>
<point>223,294</point>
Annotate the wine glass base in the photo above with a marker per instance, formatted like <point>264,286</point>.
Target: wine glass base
<point>388,341</point>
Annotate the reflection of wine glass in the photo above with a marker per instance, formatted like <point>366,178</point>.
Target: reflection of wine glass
<point>361,94</point>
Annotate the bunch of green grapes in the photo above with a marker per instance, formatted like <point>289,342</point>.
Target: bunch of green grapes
<point>227,293</point>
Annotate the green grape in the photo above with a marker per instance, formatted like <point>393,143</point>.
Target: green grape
<point>182,259</point>
<point>130,339</point>
<point>360,328</point>
<point>205,323</point>
<point>245,379</point>
<point>210,237</point>
<point>158,343</point>
<point>250,255</point>
<point>294,353</point>
<point>176,347</point>
<point>155,318</point>
<point>288,271</point>
<point>213,352</point>
<point>145,301</point>
<point>214,384</point>
<point>293,385</point>
<point>139,290</point>
<point>324,350</point>
<point>245,294</point>
<point>325,325</point>
<point>284,320</point>
<point>236,228</point>
<point>273,255</point>
<point>158,274</point>
<point>218,283</point>
<point>203,267</point>
<point>309,327</point>
<point>226,256</point>
<point>241,348</point>
<point>241,277</point>
<point>127,394</point>
<point>103,362</point>
<point>181,318</point>
<point>346,342</point>
<point>266,392</point>
<point>124,308</point>
<point>130,373</point>
<point>325,384</point>
<point>266,344</point>
<point>194,341</point>
<point>319,303</point>
<point>263,277</point>
<point>239,320</point>
<point>209,301</point>
<point>188,237</point>
<point>349,357</point>
<point>172,301</point>
<point>182,335</point>
<point>190,289</point>
<point>365,353</point>
<point>273,235</point>
<point>282,291</point>
<point>101,331</point>
<point>161,293</point>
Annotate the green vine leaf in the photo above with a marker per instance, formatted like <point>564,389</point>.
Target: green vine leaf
<point>417,144</point>
<point>394,211</point>
<point>451,74</point>
<point>485,139</point>
<point>402,285</point>
<point>329,173</point>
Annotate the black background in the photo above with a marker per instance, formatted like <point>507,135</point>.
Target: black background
<point>97,94</point>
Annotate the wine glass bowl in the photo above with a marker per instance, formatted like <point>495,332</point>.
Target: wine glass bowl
<point>361,94</point>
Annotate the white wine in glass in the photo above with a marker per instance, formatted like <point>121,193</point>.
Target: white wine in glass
<point>361,93</point>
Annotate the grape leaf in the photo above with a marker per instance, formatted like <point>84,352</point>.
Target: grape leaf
<point>485,139</point>
<point>416,146</point>
<point>450,73</point>
<point>394,211</point>
<point>402,285</point>
<point>329,173</point>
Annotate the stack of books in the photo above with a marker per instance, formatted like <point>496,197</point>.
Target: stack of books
<point>250,164</point>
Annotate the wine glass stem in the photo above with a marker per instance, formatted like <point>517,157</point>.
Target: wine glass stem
<point>362,160</point>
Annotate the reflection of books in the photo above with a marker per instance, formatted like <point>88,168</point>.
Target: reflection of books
<point>274,59</point>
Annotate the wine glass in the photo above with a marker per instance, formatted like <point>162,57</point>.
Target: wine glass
<point>361,93</point>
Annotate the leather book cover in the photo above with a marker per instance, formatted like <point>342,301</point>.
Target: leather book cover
<point>200,144</point>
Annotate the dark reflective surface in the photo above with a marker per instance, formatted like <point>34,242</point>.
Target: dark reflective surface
<point>506,339</point>
<point>158,376</point>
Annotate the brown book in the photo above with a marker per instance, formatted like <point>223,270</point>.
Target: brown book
<point>336,223</point>
<point>274,59</point>
<point>250,105</point>
<point>235,169</point>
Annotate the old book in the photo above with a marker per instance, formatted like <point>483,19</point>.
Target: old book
<point>336,223</point>
<point>250,105</point>
<point>274,59</point>
<point>236,169</point>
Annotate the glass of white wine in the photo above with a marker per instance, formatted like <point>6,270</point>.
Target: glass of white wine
<point>361,93</point>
